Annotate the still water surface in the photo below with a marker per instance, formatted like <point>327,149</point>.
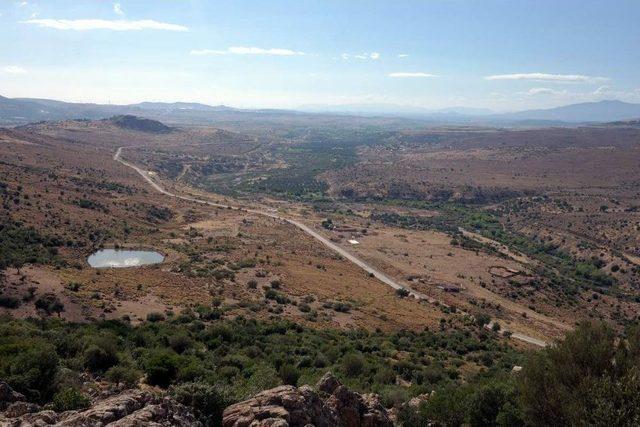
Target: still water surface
<point>119,258</point>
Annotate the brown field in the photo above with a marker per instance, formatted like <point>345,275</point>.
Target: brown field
<point>57,166</point>
<point>574,188</point>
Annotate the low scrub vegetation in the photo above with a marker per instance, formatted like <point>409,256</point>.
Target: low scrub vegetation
<point>238,356</point>
<point>590,378</point>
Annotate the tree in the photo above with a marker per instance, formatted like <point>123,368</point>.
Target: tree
<point>161,367</point>
<point>446,407</point>
<point>590,378</point>
<point>32,370</point>
<point>50,304</point>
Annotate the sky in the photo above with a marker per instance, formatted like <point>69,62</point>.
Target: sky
<point>503,55</point>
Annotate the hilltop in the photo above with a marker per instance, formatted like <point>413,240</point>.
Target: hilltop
<point>139,124</point>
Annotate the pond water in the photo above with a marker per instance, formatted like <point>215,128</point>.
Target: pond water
<point>119,258</point>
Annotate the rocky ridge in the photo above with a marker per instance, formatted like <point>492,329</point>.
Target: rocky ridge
<point>129,408</point>
<point>331,404</point>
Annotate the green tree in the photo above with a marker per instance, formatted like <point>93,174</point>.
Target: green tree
<point>590,378</point>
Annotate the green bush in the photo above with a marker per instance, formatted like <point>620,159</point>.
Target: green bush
<point>353,364</point>
<point>289,374</point>
<point>447,407</point>
<point>494,404</point>
<point>590,378</point>
<point>101,354</point>
<point>123,375</point>
<point>50,304</point>
<point>69,399</point>
<point>180,343</point>
<point>155,317</point>
<point>30,367</point>
<point>161,367</point>
<point>9,302</point>
<point>206,400</point>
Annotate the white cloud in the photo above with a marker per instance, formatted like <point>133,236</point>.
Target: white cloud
<point>14,69</point>
<point>543,91</point>
<point>543,77</point>
<point>403,55</point>
<point>103,24</point>
<point>372,55</point>
<point>238,50</point>
<point>117,8</point>
<point>602,90</point>
<point>22,3</point>
<point>411,75</point>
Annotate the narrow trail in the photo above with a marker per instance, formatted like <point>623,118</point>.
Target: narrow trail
<point>317,236</point>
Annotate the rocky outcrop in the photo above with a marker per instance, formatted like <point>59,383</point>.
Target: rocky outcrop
<point>130,408</point>
<point>331,405</point>
<point>9,396</point>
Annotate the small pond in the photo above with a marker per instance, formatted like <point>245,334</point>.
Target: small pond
<point>120,258</point>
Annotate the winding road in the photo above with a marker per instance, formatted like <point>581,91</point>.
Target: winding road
<point>309,231</point>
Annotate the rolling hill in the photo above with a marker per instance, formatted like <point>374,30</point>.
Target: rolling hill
<point>17,111</point>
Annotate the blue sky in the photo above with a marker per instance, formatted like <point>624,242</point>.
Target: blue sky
<point>498,54</point>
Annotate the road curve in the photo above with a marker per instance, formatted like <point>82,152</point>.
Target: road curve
<point>309,231</point>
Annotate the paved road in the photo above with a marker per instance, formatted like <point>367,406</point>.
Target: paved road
<point>311,232</point>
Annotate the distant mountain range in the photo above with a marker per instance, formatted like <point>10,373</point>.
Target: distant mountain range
<point>602,111</point>
<point>16,111</point>
<point>24,110</point>
<point>395,110</point>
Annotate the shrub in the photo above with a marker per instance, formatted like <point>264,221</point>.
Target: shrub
<point>402,292</point>
<point>304,307</point>
<point>206,400</point>
<point>482,319</point>
<point>180,343</point>
<point>9,302</point>
<point>123,375</point>
<point>446,407</point>
<point>161,367</point>
<point>69,399</point>
<point>393,396</point>
<point>320,361</point>
<point>155,317</point>
<point>353,364</point>
<point>492,402</point>
<point>101,354</point>
<point>590,378</point>
<point>385,376</point>
<point>31,369</point>
<point>289,374</point>
<point>50,304</point>
<point>74,286</point>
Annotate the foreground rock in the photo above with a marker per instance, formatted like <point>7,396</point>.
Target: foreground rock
<point>130,408</point>
<point>288,406</point>
<point>8,396</point>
